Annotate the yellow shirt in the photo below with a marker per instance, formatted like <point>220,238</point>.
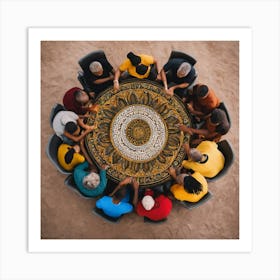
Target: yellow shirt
<point>180,193</point>
<point>145,60</point>
<point>77,158</point>
<point>214,163</point>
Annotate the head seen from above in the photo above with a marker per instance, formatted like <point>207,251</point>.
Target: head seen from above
<point>81,97</point>
<point>72,128</point>
<point>184,70</point>
<point>148,202</point>
<point>195,155</point>
<point>191,185</point>
<point>96,68</point>
<point>91,181</point>
<point>134,59</point>
<point>202,91</point>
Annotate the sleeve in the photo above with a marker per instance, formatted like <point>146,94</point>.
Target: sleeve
<point>82,166</point>
<point>124,66</point>
<point>102,185</point>
<point>166,66</point>
<point>69,117</point>
<point>79,158</point>
<point>79,173</point>
<point>148,59</point>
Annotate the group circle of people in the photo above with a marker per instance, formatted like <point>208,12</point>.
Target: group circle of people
<point>203,159</point>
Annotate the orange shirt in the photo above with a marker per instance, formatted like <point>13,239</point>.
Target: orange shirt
<point>207,103</point>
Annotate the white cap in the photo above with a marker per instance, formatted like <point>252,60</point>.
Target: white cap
<point>148,202</point>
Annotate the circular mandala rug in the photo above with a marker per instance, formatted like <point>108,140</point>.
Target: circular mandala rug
<point>136,133</point>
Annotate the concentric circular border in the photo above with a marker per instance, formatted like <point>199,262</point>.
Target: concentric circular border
<point>135,84</point>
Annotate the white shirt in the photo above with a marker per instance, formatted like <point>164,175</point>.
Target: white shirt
<point>61,119</point>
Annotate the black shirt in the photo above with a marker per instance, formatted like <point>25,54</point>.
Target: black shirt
<point>90,77</point>
<point>171,68</point>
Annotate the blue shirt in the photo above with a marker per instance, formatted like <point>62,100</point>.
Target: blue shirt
<point>80,172</point>
<point>114,210</point>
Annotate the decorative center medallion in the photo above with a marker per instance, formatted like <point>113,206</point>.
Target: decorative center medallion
<point>138,132</point>
<point>128,122</point>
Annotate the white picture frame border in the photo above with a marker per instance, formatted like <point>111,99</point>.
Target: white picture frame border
<point>36,35</point>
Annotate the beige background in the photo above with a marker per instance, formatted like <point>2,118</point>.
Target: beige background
<point>65,215</point>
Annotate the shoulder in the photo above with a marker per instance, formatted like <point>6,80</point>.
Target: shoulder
<point>207,145</point>
<point>147,58</point>
<point>201,179</point>
<point>125,64</point>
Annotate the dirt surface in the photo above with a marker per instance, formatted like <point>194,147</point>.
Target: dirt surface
<point>65,215</point>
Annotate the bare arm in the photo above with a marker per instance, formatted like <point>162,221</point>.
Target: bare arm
<point>135,185</point>
<point>124,182</point>
<point>84,151</point>
<point>163,78</point>
<point>104,80</point>
<point>84,126</point>
<point>183,85</point>
<point>116,79</point>
<point>77,138</point>
<point>157,67</point>
<point>203,132</point>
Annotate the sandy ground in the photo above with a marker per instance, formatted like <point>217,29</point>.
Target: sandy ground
<point>65,215</point>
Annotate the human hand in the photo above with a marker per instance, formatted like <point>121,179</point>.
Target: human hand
<point>135,184</point>
<point>116,85</point>
<point>172,171</point>
<point>169,91</point>
<point>92,94</point>
<point>93,108</point>
<point>126,181</point>
<point>158,77</point>
<point>104,166</point>
<point>91,127</point>
<point>189,106</point>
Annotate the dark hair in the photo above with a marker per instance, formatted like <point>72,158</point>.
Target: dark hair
<point>134,59</point>
<point>217,116</point>
<point>223,128</point>
<point>71,127</point>
<point>141,69</point>
<point>69,155</point>
<point>191,185</point>
<point>77,93</point>
<point>119,194</point>
<point>202,91</point>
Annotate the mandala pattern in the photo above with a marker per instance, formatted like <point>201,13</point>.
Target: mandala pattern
<point>136,133</point>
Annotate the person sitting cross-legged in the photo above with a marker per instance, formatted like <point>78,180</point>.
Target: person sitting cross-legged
<point>78,101</point>
<point>216,125</point>
<point>140,66</point>
<point>69,156</point>
<point>101,75</point>
<point>118,203</point>
<point>86,177</point>
<point>68,126</point>
<point>203,101</point>
<point>154,205</point>
<point>205,159</point>
<point>177,76</point>
<point>188,187</point>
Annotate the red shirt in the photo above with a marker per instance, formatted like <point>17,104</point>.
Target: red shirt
<point>161,209</point>
<point>71,104</point>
